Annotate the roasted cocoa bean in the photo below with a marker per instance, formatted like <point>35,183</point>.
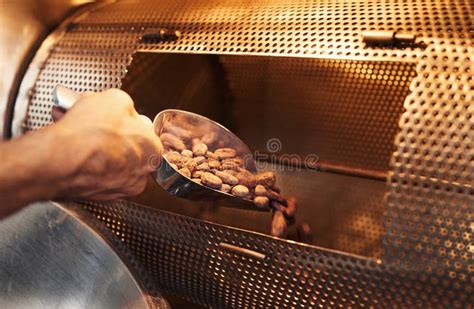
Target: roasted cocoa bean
<point>261,201</point>
<point>225,153</point>
<point>235,160</point>
<point>279,225</point>
<point>260,190</point>
<point>304,233</point>
<point>226,188</point>
<point>229,166</point>
<point>203,167</point>
<point>214,164</point>
<point>200,149</point>
<point>191,165</point>
<point>277,206</point>
<point>227,178</point>
<point>211,180</point>
<point>291,208</point>
<point>275,196</point>
<point>172,141</point>
<point>199,159</point>
<point>197,174</point>
<point>240,191</point>
<point>211,155</point>
<point>266,179</point>
<point>185,172</point>
<point>174,157</point>
<point>246,180</point>
<point>187,153</point>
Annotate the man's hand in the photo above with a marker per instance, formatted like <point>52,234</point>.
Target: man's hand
<point>101,149</point>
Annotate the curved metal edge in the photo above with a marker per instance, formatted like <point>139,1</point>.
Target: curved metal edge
<point>133,266</point>
<point>243,145</point>
<point>17,105</point>
<point>51,258</point>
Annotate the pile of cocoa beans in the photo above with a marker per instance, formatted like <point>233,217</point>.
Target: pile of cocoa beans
<point>222,169</point>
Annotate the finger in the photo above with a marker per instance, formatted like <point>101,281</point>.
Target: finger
<point>147,121</point>
<point>57,113</point>
<point>136,188</point>
<point>86,94</point>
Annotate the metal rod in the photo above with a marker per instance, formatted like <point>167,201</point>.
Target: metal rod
<point>243,251</point>
<point>327,166</point>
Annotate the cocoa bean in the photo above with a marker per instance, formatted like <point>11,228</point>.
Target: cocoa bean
<point>187,153</point>
<point>246,180</point>
<point>225,153</point>
<point>260,190</point>
<point>172,141</point>
<point>214,164</point>
<point>185,172</point>
<point>261,201</point>
<point>203,167</point>
<point>200,149</point>
<point>279,225</point>
<point>227,178</point>
<point>199,159</point>
<point>211,180</point>
<point>226,188</point>
<point>266,179</point>
<point>291,208</point>
<point>240,191</point>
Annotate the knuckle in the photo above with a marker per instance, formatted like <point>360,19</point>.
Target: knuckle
<point>120,97</point>
<point>137,188</point>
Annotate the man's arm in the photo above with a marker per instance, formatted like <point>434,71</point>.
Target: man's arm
<point>29,170</point>
<point>101,149</point>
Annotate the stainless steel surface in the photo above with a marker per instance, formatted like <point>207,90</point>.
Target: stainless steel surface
<point>430,207</point>
<point>184,256</point>
<point>176,184</point>
<point>363,97</point>
<point>24,24</point>
<point>49,259</point>
<point>64,98</point>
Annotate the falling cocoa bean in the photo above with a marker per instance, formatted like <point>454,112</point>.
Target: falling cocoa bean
<point>279,225</point>
<point>266,179</point>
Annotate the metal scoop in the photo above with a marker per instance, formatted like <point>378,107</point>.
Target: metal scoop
<point>187,126</point>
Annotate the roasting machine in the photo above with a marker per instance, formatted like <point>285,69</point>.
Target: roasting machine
<point>363,109</point>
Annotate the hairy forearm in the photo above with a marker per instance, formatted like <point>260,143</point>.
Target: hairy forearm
<point>33,167</point>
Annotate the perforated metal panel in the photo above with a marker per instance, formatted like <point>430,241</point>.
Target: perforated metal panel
<point>428,247</point>
<point>185,256</point>
<point>431,202</point>
<point>344,111</point>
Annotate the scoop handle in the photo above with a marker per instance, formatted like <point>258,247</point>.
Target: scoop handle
<point>63,99</point>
